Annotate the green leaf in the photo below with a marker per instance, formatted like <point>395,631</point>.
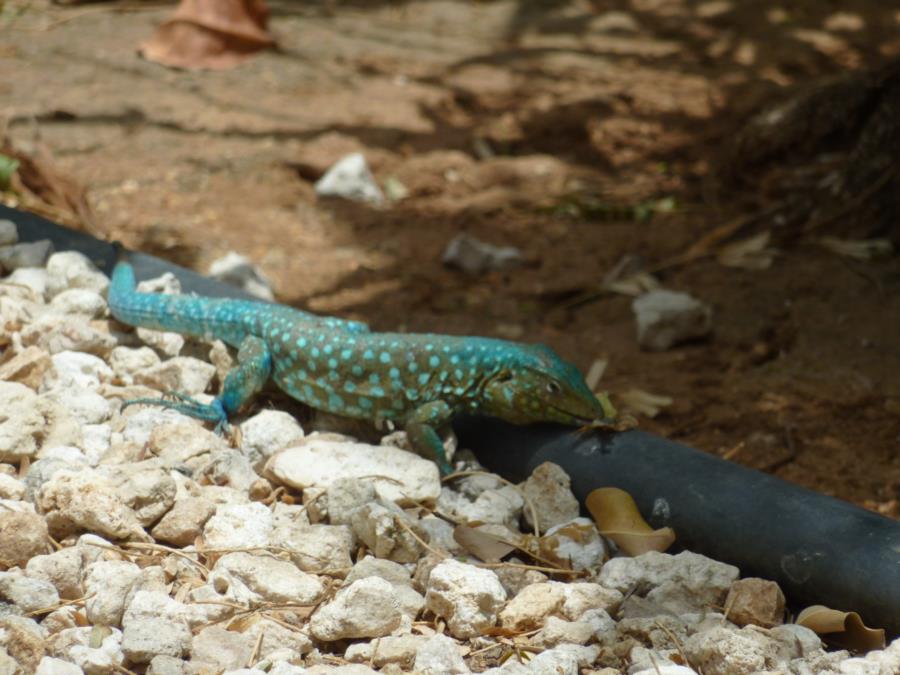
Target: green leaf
<point>8,167</point>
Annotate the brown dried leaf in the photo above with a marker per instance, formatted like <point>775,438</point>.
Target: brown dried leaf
<point>751,253</point>
<point>484,546</point>
<point>618,518</point>
<point>210,34</point>
<point>845,629</point>
<point>860,249</point>
<point>644,402</point>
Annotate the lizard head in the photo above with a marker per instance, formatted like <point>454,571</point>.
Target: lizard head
<point>535,385</point>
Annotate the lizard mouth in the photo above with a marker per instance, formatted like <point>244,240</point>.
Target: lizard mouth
<point>576,419</point>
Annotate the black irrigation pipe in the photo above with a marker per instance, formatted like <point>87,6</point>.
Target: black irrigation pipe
<point>819,549</point>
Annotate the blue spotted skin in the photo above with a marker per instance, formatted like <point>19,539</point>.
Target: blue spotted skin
<point>418,380</point>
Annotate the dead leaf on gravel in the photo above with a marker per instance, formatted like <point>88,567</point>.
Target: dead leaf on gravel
<point>751,253</point>
<point>484,546</point>
<point>860,249</point>
<point>618,518</point>
<point>644,402</point>
<point>210,34</point>
<point>845,629</point>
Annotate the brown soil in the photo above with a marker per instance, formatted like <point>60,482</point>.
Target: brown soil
<point>490,113</point>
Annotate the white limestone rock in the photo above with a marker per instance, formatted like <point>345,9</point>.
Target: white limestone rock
<point>469,598</point>
<point>23,534</point>
<point>257,579</point>
<point>266,433</point>
<point>80,301</point>
<point>350,178</point>
<point>239,526</point>
<point>666,318</point>
<point>107,584</point>
<point>399,476</point>
<point>364,609</point>
<point>70,269</point>
<point>439,655</point>
<point>26,593</point>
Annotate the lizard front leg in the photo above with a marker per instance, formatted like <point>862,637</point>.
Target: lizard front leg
<point>421,429</point>
<point>242,383</point>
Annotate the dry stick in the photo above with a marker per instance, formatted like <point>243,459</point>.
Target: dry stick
<point>678,645</point>
<point>853,203</point>
<point>60,605</point>
<point>399,521</point>
<point>255,653</point>
<point>169,549</point>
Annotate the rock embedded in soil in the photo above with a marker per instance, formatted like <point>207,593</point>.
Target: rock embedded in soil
<point>350,178</point>
<point>666,318</point>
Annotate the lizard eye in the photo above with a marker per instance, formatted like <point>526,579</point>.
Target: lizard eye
<point>553,388</point>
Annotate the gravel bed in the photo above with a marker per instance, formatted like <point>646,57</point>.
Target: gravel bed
<point>139,540</point>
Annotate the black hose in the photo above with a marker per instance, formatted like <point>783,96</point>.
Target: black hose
<point>819,549</point>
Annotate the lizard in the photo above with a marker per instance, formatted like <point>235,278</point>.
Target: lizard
<point>419,380</point>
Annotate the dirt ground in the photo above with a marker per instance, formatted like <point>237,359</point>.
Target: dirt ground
<point>493,114</point>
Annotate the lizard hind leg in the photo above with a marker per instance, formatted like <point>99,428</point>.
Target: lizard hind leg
<point>241,384</point>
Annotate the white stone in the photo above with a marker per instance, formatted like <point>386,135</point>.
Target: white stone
<point>222,649</point>
<point>70,269</point>
<point>79,301</point>
<point>184,522</point>
<point>11,488</point>
<point>26,593</point>
<point>239,526</point>
<point>76,369</point>
<point>502,505</point>
<point>126,362</point>
<point>409,600</point>
<point>239,271</point>
<point>144,487</point>
<point>34,278</point>
<point>56,333</point>
<point>577,543</point>
<point>469,598</point>
<point>107,583</point>
<point>96,441</point>
<point>144,639</point>
<point>398,476</point>
<point>549,491</point>
<point>474,256</point>
<point>674,581</point>
<point>182,374</point>
<point>21,424</point>
<point>392,649</point>
<point>666,669</point>
<point>351,179</point>
<point>665,318</point>
<point>381,528</point>
<point>725,650</point>
<point>62,568</point>
<point>317,548</point>
<point>86,500</point>
<point>9,233</point>
<point>227,466</point>
<point>364,609</point>
<point>266,433</point>
<point>257,579</point>
<point>101,660</point>
<point>24,255</point>
<point>532,605</point>
<point>439,655</point>
<point>84,405</point>
<point>52,666</point>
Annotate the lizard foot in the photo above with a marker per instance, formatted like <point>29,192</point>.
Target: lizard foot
<point>208,412</point>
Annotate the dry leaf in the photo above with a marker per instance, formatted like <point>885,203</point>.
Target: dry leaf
<point>751,253</point>
<point>861,249</point>
<point>845,629</point>
<point>618,518</point>
<point>484,546</point>
<point>636,284</point>
<point>595,372</point>
<point>644,402</point>
<point>210,34</point>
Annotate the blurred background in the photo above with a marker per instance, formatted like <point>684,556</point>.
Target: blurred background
<point>517,169</point>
